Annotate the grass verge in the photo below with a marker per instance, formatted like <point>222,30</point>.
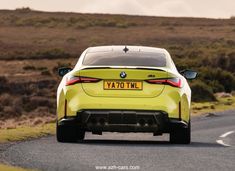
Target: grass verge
<point>11,168</point>
<point>222,104</point>
<point>24,132</point>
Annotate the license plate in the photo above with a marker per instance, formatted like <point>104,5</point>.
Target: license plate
<point>123,85</point>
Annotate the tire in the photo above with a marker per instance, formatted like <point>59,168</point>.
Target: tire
<point>181,135</point>
<point>69,133</point>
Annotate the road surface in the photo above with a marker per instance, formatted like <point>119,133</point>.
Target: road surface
<point>212,148</point>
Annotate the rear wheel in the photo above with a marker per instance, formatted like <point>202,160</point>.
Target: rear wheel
<point>180,135</point>
<point>68,133</point>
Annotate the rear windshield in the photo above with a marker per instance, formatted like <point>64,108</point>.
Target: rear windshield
<point>125,59</point>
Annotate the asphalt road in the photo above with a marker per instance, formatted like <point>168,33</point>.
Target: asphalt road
<point>212,148</point>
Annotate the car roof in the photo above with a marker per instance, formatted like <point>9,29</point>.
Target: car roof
<point>120,48</point>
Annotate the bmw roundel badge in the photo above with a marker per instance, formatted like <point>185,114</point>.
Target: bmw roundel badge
<point>123,74</point>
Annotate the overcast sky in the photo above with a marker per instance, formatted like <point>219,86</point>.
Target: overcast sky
<point>189,8</point>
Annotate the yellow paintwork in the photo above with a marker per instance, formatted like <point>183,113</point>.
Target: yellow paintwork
<point>149,90</point>
<point>167,101</point>
<point>157,97</point>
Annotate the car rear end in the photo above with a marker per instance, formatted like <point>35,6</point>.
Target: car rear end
<point>123,92</point>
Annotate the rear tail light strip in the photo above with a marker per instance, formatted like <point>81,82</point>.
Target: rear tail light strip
<point>75,80</point>
<point>175,82</point>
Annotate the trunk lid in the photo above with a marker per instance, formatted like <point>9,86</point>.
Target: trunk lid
<point>133,85</point>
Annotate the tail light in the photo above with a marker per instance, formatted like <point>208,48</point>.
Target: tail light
<point>175,82</point>
<point>75,79</point>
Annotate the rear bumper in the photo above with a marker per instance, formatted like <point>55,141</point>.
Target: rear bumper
<point>77,100</point>
<point>98,121</point>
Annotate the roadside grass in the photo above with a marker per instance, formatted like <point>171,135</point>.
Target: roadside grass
<point>24,132</point>
<point>11,168</point>
<point>222,104</point>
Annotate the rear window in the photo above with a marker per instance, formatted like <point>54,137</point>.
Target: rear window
<point>125,59</point>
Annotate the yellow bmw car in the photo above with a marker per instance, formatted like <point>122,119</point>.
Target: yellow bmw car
<point>124,89</point>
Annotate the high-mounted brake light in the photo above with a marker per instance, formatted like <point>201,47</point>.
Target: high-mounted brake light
<point>74,80</point>
<point>175,82</point>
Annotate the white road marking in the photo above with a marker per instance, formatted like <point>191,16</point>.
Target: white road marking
<point>222,143</point>
<point>223,136</point>
<point>226,134</point>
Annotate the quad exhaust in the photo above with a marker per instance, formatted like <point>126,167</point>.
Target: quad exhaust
<point>103,121</point>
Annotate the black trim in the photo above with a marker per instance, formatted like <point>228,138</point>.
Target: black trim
<point>87,68</point>
<point>65,108</point>
<point>120,67</point>
<point>155,69</point>
<point>100,121</point>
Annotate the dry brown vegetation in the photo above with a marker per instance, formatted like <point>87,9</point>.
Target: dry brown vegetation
<point>33,45</point>
<point>27,89</point>
<point>30,34</point>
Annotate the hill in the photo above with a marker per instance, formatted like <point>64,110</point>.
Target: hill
<point>33,34</point>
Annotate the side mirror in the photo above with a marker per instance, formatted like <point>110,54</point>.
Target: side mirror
<point>189,74</point>
<point>63,71</point>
